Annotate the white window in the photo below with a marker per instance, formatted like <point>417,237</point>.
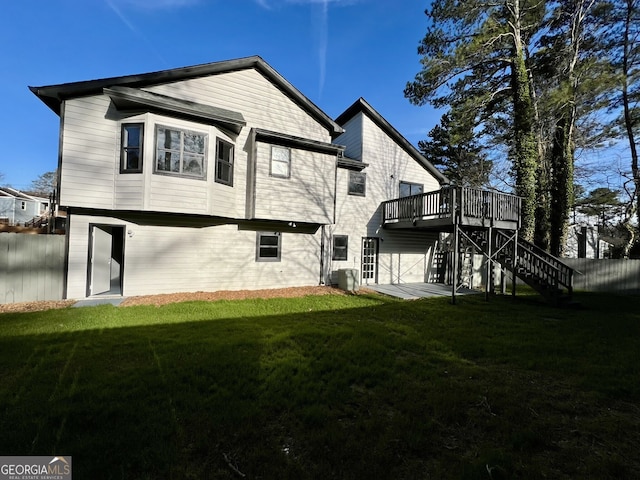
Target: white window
<point>181,152</point>
<point>280,162</point>
<point>269,245</point>
<point>23,205</point>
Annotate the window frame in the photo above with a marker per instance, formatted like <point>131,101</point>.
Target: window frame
<point>335,248</point>
<point>181,173</point>
<point>356,193</point>
<point>124,149</point>
<point>260,246</point>
<point>288,163</point>
<point>221,161</point>
<point>411,185</point>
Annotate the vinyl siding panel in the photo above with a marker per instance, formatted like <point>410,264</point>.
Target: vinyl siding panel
<point>261,103</point>
<point>307,196</point>
<point>402,256</point>
<point>172,259</point>
<point>393,160</point>
<point>88,154</point>
<point>352,138</point>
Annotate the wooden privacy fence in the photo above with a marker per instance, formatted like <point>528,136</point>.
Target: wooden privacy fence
<point>620,276</point>
<point>31,267</point>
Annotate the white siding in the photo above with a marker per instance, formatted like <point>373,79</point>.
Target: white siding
<point>91,175</point>
<point>261,103</point>
<point>89,156</point>
<point>352,138</point>
<point>173,259</point>
<point>307,196</point>
<point>404,256</point>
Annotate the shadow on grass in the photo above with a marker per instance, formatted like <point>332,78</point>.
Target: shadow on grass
<point>389,390</point>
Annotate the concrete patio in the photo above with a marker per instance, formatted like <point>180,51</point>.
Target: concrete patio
<point>414,291</point>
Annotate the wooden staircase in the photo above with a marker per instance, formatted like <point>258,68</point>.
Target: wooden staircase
<point>540,270</point>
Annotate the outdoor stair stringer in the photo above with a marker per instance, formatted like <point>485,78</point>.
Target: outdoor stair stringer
<point>540,270</point>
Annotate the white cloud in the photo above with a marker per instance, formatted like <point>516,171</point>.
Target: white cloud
<point>136,31</point>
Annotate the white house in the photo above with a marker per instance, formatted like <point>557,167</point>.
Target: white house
<point>18,208</point>
<point>224,176</point>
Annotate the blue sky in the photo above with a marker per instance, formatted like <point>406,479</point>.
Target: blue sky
<point>333,51</point>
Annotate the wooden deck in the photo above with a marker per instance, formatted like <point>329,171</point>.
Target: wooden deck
<point>450,206</point>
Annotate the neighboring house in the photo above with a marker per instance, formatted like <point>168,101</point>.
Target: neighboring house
<point>584,241</point>
<point>18,208</point>
<point>224,176</point>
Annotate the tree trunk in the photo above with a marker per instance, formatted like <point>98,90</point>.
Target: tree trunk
<point>561,182</point>
<point>525,144</point>
<point>525,163</point>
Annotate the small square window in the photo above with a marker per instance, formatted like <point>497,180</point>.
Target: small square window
<point>280,162</point>
<point>340,247</point>
<point>357,183</point>
<point>269,245</point>
<point>224,162</point>
<point>131,154</point>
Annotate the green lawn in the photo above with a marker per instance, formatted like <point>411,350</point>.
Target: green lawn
<point>347,387</point>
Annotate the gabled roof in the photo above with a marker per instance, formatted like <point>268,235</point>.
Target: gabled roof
<point>12,192</point>
<point>53,95</point>
<point>361,106</point>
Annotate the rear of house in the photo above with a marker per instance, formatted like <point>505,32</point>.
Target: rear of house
<point>379,165</point>
<point>224,176</point>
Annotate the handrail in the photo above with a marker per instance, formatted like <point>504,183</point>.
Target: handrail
<point>537,261</point>
<point>445,203</point>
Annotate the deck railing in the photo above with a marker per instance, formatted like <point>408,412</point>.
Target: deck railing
<point>444,203</point>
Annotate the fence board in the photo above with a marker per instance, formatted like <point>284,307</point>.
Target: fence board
<point>31,267</point>
<point>605,275</point>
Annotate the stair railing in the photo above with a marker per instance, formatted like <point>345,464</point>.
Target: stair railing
<point>536,262</point>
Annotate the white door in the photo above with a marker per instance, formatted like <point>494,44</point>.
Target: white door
<point>100,261</point>
<point>369,260</point>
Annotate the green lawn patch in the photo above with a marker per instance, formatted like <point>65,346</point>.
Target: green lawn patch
<point>347,387</point>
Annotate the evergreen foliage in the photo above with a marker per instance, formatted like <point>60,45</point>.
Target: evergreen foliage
<point>540,79</point>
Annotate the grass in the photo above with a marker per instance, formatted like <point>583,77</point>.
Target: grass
<point>345,387</point>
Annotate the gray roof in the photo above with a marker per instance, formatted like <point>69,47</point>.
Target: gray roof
<point>53,95</point>
<point>361,106</point>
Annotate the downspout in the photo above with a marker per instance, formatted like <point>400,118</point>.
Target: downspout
<point>321,255</point>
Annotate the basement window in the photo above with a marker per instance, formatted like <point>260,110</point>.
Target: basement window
<point>269,246</point>
<point>340,247</point>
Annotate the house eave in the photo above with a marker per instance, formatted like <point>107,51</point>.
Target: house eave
<point>130,98</point>
<point>351,164</point>
<point>361,105</point>
<point>54,95</point>
<point>284,140</point>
